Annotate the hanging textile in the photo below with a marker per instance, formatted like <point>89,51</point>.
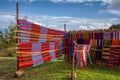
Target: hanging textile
<point>82,52</point>
<point>38,44</point>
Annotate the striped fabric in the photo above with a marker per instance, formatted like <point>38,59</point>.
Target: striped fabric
<point>82,55</point>
<point>95,35</point>
<point>100,43</point>
<point>114,57</point>
<point>38,44</point>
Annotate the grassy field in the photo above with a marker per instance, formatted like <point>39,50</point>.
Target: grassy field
<point>57,70</point>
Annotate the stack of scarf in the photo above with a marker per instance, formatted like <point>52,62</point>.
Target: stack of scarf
<point>107,35</point>
<point>86,35</point>
<point>114,57</point>
<point>100,43</point>
<point>95,35</point>
<point>93,43</point>
<point>106,50</point>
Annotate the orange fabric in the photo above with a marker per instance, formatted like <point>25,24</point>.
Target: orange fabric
<point>115,42</point>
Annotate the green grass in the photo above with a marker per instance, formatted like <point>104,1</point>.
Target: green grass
<point>57,70</point>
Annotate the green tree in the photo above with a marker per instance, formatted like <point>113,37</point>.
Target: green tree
<point>7,41</point>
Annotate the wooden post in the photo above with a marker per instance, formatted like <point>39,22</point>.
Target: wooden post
<point>65,41</point>
<point>17,26</point>
<point>73,73</point>
<point>65,27</point>
<point>17,12</point>
<point>19,72</point>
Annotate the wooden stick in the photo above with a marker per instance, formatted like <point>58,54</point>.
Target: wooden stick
<point>23,48</point>
<point>45,35</point>
<point>73,74</point>
<point>41,52</point>
<point>17,40</point>
<point>65,41</point>
<point>38,38</point>
<point>104,50</point>
<point>36,33</point>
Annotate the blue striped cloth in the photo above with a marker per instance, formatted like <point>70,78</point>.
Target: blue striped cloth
<point>36,47</point>
<point>36,57</point>
<point>72,49</point>
<point>114,35</point>
<point>52,50</point>
<point>44,30</point>
<point>60,47</point>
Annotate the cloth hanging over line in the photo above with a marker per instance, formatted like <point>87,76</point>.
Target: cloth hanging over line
<point>83,55</point>
<point>38,44</point>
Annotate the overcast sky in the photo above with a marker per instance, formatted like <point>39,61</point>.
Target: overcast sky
<point>77,14</point>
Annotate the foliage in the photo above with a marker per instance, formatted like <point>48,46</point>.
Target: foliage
<point>7,41</point>
<point>115,26</point>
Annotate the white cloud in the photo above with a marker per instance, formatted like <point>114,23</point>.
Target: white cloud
<point>58,22</point>
<point>80,1</point>
<point>111,3</point>
<point>6,19</point>
<point>69,1</point>
<point>73,23</point>
<point>110,11</point>
<point>89,4</point>
<point>115,4</point>
<point>25,0</point>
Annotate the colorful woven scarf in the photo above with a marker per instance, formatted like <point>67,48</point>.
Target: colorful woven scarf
<point>38,44</point>
<point>82,55</point>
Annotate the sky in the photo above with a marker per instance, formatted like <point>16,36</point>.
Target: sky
<point>76,14</point>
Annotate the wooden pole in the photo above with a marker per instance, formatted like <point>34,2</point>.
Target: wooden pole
<point>19,72</point>
<point>17,12</point>
<point>17,27</point>
<point>65,27</point>
<point>65,41</point>
<point>73,73</point>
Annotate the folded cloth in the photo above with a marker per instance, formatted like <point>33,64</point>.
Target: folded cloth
<point>93,42</point>
<point>100,42</point>
<point>107,35</point>
<point>91,35</point>
<point>87,41</point>
<point>100,35</point>
<point>107,42</point>
<point>80,35</point>
<point>43,30</point>
<point>86,35</point>
<point>119,34</point>
<point>24,25</point>
<point>80,41</point>
<point>114,35</point>
<point>115,42</point>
